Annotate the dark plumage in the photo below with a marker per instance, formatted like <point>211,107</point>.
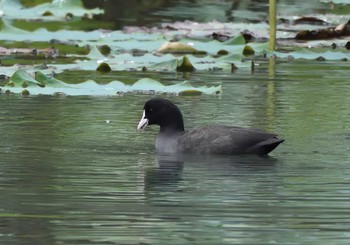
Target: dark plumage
<point>216,139</point>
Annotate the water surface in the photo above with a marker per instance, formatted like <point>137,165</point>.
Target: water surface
<point>74,171</point>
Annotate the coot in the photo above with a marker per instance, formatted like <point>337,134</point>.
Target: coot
<point>216,139</point>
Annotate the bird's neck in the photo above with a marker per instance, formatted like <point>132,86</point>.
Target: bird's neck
<point>174,128</point>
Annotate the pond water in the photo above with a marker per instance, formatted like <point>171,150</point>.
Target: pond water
<point>151,13</point>
<point>74,171</point>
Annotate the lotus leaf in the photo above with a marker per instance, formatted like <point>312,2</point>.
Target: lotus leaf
<point>44,84</point>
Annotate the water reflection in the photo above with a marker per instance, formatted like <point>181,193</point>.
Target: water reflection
<point>171,169</point>
<point>153,13</point>
<point>167,173</point>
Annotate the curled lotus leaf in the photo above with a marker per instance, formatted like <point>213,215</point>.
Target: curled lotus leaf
<point>178,47</point>
<point>22,78</point>
<point>185,65</point>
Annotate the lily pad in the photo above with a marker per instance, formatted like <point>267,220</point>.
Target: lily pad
<point>208,46</point>
<point>46,85</point>
<point>185,65</point>
<point>312,54</point>
<point>248,50</point>
<point>336,1</point>
<point>58,8</point>
<point>178,47</point>
<point>49,80</point>
<point>103,67</point>
<point>23,79</point>
<point>237,40</point>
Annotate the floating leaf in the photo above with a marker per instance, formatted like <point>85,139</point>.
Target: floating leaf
<point>336,1</point>
<point>185,65</point>
<point>8,28</point>
<point>186,86</point>
<point>137,48</point>
<point>168,65</point>
<point>237,40</point>
<point>44,84</point>
<point>105,49</point>
<point>60,8</point>
<point>311,54</point>
<point>47,13</point>
<point>104,67</point>
<point>222,52</point>
<point>190,92</point>
<point>178,47</point>
<point>48,80</point>
<point>25,92</point>
<point>21,78</point>
<point>248,50</point>
<point>95,54</point>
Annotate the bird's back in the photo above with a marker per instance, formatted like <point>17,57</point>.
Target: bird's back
<point>227,140</point>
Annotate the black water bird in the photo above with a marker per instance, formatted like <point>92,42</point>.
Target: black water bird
<point>216,139</point>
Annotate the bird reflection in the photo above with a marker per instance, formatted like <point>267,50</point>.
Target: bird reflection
<point>167,175</point>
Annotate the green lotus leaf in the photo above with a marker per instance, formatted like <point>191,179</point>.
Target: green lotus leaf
<point>168,65</point>
<point>25,92</point>
<point>7,27</point>
<point>248,50</point>
<point>222,52</point>
<point>178,47</point>
<point>136,49</point>
<point>95,54</point>
<point>312,54</point>
<point>237,40</point>
<point>22,79</point>
<point>186,86</point>
<point>44,84</point>
<point>59,9</point>
<point>336,1</point>
<point>185,65</point>
<point>104,49</point>
<point>103,67</point>
<point>49,81</point>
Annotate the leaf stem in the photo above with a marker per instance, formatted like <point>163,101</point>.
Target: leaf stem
<point>272,22</point>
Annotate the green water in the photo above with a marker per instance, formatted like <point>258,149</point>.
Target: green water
<point>74,171</point>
